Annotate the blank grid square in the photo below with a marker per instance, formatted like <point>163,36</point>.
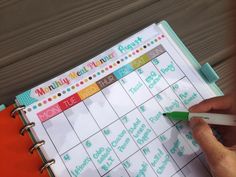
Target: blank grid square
<point>82,121</point>
<point>195,169</point>
<point>119,99</point>
<point>100,109</point>
<point>118,171</point>
<point>61,133</point>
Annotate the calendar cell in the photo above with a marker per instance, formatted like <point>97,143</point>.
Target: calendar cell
<point>136,89</point>
<point>81,119</point>
<point>118,98</point>
<point>101,153</point>
<point>138,128</point>
<point>100,109</point>
<point>152,112</point>
<point>61,133</point>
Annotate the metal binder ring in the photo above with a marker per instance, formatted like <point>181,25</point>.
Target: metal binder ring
<point>46,165</point>
<point>26,127</point>
<point>36,146</point>
<point>17,109</point>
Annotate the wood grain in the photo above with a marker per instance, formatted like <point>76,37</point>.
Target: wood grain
<point>45,45</point>
<point>225,70</point>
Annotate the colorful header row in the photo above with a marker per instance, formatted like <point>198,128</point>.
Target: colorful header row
<point>75,75</point>
<point>99,85</point>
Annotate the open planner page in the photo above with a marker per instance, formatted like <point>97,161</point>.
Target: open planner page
<point>104,117</point>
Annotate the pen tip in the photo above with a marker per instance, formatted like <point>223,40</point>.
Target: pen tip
<point>164,114</point>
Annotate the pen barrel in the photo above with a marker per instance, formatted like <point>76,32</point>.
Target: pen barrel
<point>178,116</point>
<point>217,119</point>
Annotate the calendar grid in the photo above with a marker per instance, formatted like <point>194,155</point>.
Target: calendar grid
<point>105,117</point>
<point>111,122</point>
<point>55,148</point>
<point>157,136</point>
<point>101,130</point>
<point>185,105</point>
<point>127,112</point>
<point>129,133</point>
<point>197,155</point>
<point>79,143</point>
<point>163,110</point>
<point>184,74</point>
<point>148,123</point>
<point>118,119</point>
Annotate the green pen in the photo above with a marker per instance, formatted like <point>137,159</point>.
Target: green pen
<point>210,118</point>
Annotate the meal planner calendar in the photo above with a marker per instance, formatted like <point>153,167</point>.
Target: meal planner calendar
<point>104,117</point>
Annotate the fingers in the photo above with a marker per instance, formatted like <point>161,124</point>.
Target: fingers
<point>203,134</point>
<point>217,103</point>
<point>232,148</point>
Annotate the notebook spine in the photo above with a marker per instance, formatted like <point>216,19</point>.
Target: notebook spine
<point>36,146</point>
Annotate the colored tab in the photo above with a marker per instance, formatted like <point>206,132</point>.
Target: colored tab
<point>108,80</point>
<point>2,107</point>
<point>156,52</point>
<point>123,71</point>
<point>88,91</point>
<point>209,73</point>
<point>49,112</point>
<point>69,102</point>
<point>140,61</point>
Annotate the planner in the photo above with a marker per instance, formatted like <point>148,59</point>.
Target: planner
<point>104,117</point>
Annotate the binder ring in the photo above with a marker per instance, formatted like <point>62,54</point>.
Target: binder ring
<point>46,165</point>
<point>17,109</point>
<point>36,146</point>
<point>26,127</point>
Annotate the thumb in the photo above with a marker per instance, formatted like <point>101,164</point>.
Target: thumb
<point>203,134</point>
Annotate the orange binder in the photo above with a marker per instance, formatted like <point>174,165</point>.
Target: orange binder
<point>16,160</point>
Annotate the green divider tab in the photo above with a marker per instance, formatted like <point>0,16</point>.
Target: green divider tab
<point>209,73</point>
<point>193,60</point>
<point>2,107</point>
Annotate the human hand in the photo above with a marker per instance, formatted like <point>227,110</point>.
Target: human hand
<point>221,157</point>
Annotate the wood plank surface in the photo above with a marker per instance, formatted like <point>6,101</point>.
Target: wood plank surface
<point>226,72</point>
<point>41,39</point>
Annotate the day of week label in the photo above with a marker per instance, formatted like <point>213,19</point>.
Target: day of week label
<point>140,61</point>
<point>88,91</point>
<point>156,52</point>
<point>106,81</point>
<point>123,71</point>
<point>69,102</point>
<point>49,112</point>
